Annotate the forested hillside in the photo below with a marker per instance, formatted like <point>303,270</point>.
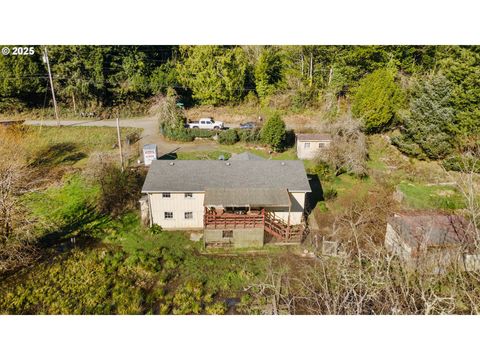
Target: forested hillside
<point>430,93</point>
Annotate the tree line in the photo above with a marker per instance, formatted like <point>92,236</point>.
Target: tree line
<point>429,93</point>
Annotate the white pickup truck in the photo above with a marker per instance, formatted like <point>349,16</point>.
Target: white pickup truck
<point>206,123</point>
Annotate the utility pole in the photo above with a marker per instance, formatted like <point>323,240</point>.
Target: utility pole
<point>51,85</point>
<point>119,143</point>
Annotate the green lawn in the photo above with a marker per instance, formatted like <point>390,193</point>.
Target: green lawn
<point>87,139</point>
<point>228,150</point>
<point>420,196</point>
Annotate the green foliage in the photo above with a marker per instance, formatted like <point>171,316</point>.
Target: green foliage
<point>163,78</point>
<point>377,99</point>
<point>322,169</point>
<point>92,282</point>
<point>172,120</point>
<point>461,66</point>
<point>19,80</point>
<point>155,229</point>
<point>329,193</point>
<point>429,128</point>
<point>120,189</point>
<point>268,72</point>
<point>202,133</point>
<point>228,137</point>
<point>249,135</point>
<point>462,163</point>
<point>273,132</point>
<point>66,211</point>
<point>203,155</point>
<point>215,74</point>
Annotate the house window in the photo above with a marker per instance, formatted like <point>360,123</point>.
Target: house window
<point>189,215</point>
<point>228,234</point>
<point>168,215</point>
<point>188,195</point>
<point>165,195</point>
<point>320,145</point>
<point>306,145</point>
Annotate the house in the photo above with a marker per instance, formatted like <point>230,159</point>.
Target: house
<point>429,239</point>
<point>309,145</point>
<point>235,202</point>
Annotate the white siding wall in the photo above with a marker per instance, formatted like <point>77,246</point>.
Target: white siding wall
<point>296,213</point>
<point>178,204</point>
<point>313,150</point>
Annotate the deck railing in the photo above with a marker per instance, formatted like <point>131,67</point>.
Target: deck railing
<point>269,221</point>
<point>213,220</point>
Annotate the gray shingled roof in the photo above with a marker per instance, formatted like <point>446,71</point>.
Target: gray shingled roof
<point>246,197</point>
<point>431,229</point>
<point>246,156</point>
<point>314,137</point>
<point>199,175</point>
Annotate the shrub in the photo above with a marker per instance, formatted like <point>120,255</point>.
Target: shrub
<point>329,193</point>
<point>119,190</point>
<point>249,135</point>
<point>273,133</point>
<point>201,133</point>
<point>156,229</point>
<point>462,163</point>
<point>228,137</point>
<point>322,169</point>
<point>172,120</point>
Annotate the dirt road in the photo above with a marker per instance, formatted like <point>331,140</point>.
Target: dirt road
<point>149,134</point>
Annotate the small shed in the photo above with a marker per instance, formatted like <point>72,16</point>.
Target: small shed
<point>428,238</point>
<point>149,153</point>
<point>309,145</point>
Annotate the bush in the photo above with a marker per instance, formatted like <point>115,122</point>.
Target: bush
<point>172,120</point>
<point>228,137</point>
<point>322,169</point>
<point>462,164</point>
<point>201,133</point>
<point>329,193</point>
<point>119,190</point>
<point>273,133</point>
<point>249,135</point>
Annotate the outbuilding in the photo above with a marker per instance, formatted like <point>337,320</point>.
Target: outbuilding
<point>309,145</point>
<point>429,239</point>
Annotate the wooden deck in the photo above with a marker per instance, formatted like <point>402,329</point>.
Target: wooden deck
<point>272,224</point>
<point>213,220</point>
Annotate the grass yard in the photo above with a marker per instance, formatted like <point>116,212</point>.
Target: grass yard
<point>203,155</point>
<point>421,196</point>
<point>83,139</point>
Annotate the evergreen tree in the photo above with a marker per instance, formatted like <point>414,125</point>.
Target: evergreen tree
<point>22,79</point>
<point>274,132</point>
<point>377,99</point>
<point>461,66</point>
<point>429,129</point>
<point>215,74</point>
<point>268,72</point>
